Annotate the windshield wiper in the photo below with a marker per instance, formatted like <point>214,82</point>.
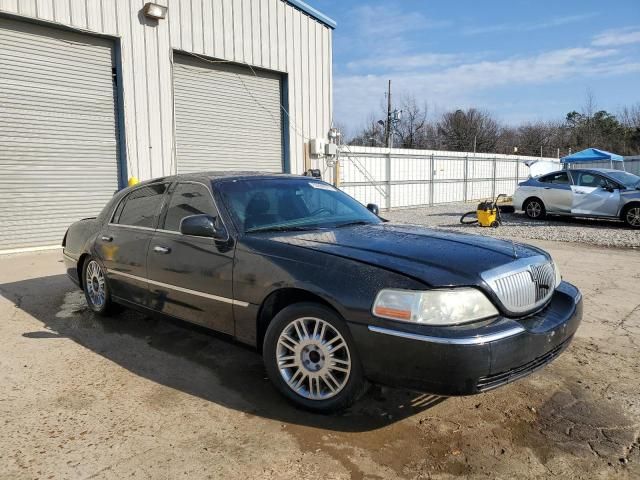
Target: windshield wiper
<point>279,228</point>
<point>351,224</point>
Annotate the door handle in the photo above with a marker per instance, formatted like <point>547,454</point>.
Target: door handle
<point>547,188</point>
<point>106,238</point>
<point>579,192</point>
<point>161,249</point>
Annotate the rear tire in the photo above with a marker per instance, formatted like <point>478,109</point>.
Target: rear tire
<point>311,358</point>
<point>631,216</point>
<point>534,209</point>
<point>96,288</point>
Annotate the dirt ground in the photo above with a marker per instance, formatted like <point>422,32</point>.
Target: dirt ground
<point>134,397</point>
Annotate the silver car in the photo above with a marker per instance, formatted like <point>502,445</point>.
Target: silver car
<point>584,192</point>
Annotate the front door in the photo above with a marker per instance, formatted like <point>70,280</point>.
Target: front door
<point>191,277</point>
<point>123,244</point>
<point>594,194</point>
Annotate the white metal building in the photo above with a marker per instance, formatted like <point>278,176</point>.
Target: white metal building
<point>95,91</point>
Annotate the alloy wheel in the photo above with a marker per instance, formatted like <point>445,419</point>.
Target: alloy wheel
<point>313,358</point>
<point>95,284</point>
<point>534,209</point>
<point>633,216</point>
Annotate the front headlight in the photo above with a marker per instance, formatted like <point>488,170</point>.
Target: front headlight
<point>434,307</point>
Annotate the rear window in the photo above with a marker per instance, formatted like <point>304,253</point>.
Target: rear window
<point>141,207</point>
<point>561,178</point>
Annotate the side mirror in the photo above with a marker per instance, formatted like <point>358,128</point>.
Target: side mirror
<point>608,188</point>
<point>373,208</point>
<point>202,226</point>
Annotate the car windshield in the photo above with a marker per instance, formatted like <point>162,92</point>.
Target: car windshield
<point>627,179</point>
<point>268,204</point>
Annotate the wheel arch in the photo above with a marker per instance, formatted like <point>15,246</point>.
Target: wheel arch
<point>80,266</point>
<point>532,197</point>
<point>626,206</point>
<point>279,299</point>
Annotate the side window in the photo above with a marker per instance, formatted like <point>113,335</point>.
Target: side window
<point>560,178</point>
<point>587,179</point>
<point>141,206</point>
<point>188,199</point>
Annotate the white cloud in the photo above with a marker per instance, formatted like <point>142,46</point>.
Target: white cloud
<point>528,27</point>
<point>356,95</point>
<point>405,62</point>
<point>612,38</point>
<point>387,20</point>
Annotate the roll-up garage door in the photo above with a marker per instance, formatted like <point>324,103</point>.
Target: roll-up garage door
<point>227,117</point>
<point>58,147</point>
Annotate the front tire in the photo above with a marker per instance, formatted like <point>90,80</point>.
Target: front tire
<point>95,287</point>
<point>311,358</point>
<point>534,209</point>
<point>631,216</point>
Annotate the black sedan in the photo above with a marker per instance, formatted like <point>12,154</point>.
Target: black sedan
<point>331,294</point>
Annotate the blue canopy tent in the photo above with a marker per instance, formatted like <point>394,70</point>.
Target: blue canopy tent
<point>593,155</point>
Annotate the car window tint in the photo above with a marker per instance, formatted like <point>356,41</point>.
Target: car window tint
<point>587,179</point>
<point>561,178</point>
<point>141,206</point>
<point>188,199</point>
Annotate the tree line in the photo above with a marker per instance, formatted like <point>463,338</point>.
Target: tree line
<point>478,130</point>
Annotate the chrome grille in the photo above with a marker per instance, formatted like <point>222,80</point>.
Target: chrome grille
<point>524,285</point>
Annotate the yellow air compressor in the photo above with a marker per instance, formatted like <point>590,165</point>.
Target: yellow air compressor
<point>487,214</point>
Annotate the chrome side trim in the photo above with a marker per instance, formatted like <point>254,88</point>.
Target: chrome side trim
<point>133,227</point>
<point>181,289</point>
<point>476,340</point>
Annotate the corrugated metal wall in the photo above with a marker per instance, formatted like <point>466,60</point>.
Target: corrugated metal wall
<point>58,143</point>
<point>219,126</point>
<point>266,33</point>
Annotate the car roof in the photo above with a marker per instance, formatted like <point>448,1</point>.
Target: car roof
<point>215,176</point>
<point>601,170</point>
<point>596,170</point>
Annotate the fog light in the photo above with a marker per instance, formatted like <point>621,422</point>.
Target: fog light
<point>153,10</point>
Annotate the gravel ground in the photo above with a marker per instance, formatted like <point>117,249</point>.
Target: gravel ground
<point>603,233</point>
<point>131,396</point>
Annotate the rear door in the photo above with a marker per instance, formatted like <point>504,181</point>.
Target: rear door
<point>556,192</point>
<point>591,196</point>
<point>191,277</point>
<point>123,244</point>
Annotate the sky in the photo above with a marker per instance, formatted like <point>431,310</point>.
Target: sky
<point>521,60</point>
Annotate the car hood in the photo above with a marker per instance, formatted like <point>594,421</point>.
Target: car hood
<point>435,257</point>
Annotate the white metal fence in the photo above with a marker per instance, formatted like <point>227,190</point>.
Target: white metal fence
<point>396,178</point>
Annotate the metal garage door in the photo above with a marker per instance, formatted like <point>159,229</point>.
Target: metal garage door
<point>58,148</point>
<point>226,117</point>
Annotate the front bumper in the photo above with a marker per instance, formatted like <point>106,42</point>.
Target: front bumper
<point>466,360</point>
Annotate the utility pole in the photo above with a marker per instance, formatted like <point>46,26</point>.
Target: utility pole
<point>387,134</point>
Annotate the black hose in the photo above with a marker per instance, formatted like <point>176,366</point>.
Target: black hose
<point>468,222</point>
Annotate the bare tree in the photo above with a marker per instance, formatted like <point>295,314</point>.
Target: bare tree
<point>630,116</point>
<point>411,129</point>
<point>468,131</point>
<point>371,135</point>
<point>463,130</point>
